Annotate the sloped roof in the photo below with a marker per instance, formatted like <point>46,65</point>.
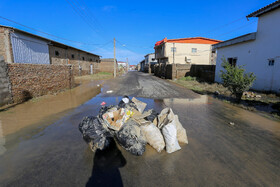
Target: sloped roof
<point>49,40</point>
<point>265,9</point>
<point>197,40</point>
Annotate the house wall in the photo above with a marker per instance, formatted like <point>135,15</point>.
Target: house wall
<point>28,49</point>
<point>255,54</point>
<point>184,50</point>
<point>5,45</point>
<point>32,80</point>
<point>65,57</point>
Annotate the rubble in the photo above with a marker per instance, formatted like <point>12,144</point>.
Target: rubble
<point>133,127</point>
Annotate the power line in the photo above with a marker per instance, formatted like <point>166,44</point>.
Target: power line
<point>219,27</point>
<point>237,28</point>
<point>83,14</point>
<point>46,32</point>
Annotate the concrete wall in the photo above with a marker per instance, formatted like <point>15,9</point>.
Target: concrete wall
<point>175,71</point>
<point>5,45</point>
<point>5,86</point>
<point>255,54</point>
<point>32,80</point>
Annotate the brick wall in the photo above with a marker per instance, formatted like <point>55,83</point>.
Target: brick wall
<point>5,86</point>
<point>31,80</point>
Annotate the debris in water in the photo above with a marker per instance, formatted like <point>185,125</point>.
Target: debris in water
<point>109,91</point>
<point>133,127</point>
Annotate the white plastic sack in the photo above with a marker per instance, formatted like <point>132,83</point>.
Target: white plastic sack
<point>169,132</point>
<point>165,117</point>
<point>153,136</point>
<point>181,131</point>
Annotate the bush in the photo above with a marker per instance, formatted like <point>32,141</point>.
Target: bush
<point>235,79</point>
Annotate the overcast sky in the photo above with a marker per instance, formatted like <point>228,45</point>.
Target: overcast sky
<point>136,25</point>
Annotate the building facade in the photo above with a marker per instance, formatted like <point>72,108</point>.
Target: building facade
<point>197,50</point>
<point>17,46</point>
<point>259,52</point>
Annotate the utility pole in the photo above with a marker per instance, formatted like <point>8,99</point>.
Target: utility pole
<point>173,53</point>
<point>127,67</point>
<point>115,71</point>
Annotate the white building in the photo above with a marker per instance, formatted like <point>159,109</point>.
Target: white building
<point>259,51</point>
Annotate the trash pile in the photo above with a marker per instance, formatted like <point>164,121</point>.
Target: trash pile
<point>133,127</point>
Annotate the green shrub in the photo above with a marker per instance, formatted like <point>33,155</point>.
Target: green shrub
<point>235,79</point>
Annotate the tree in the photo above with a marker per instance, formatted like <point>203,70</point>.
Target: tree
<point>235,79</point>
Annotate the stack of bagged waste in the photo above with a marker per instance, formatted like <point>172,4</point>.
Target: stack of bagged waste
<point>133,127</point>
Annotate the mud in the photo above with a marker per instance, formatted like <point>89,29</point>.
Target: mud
<point>40,109</point>
<point>218,154</point>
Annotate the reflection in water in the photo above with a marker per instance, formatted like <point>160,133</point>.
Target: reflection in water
<point>38,109</point>
<point>106,164</point>
<point>203,99</point>
<point>2,140</point>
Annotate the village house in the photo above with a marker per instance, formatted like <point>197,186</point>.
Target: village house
<point>17,46</point>
<point>196,50</point>
<point>150,61</point>
<point>259,52</point>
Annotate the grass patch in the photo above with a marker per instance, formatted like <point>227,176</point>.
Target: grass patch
<point>97,76</point>
<point>188,78</point>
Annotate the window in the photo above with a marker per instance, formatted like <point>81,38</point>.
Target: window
<point>56,53</point>
<point>73,56</point>
<point>90,59</point>
<point>83,58</point>
<point>232,61</point>
<point>194,50</point>
<point>271,62</point>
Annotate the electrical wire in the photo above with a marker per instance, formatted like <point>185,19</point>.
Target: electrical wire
<point>52,35</point>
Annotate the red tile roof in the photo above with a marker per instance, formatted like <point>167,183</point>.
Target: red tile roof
<point>197,40</point>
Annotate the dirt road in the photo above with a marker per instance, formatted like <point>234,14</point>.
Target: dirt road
<point>218,154</point>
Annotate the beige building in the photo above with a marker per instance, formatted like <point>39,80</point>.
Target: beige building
<point>197,50</point>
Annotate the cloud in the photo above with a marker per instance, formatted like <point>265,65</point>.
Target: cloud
<point>121,55</point>
<point>109,8</point>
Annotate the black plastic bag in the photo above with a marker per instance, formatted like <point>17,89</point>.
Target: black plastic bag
<point>131,138</point>
<point>152,116</point>
<point>94,133</point>
<point>127,103</point>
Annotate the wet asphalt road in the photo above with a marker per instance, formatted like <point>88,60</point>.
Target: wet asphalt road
<point>218,154</point>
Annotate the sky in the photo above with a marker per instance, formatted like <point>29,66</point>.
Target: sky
<point>92,25</point>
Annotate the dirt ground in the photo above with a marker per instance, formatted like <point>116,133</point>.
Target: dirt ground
<point>267,103</point>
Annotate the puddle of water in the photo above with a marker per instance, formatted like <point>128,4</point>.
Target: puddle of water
<point>35,110</point>
<point>61,143</point>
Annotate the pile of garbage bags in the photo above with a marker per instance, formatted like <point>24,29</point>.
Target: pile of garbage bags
<point>133,127</point>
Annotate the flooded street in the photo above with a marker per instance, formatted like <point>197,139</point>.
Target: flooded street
<point>41,145</point>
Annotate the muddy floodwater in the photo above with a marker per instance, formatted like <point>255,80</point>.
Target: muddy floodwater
<point>50,151</point>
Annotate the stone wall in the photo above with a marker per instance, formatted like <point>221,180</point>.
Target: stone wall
<point>5,86</point>
<point>32,80</point>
